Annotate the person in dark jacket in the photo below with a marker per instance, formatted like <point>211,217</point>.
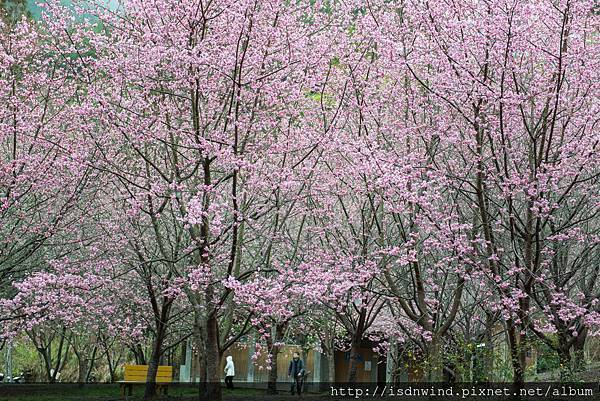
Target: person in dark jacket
<point>296,372</point>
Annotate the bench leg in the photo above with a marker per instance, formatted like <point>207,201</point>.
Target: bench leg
<point>125,390</point>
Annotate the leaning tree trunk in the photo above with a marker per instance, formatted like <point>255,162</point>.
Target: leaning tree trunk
<point>138,353</point>
<point>150,389</point>
<point>111,366</point>
<point>90,366</point>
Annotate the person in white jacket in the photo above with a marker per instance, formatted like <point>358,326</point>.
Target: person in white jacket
<point>229,372</point>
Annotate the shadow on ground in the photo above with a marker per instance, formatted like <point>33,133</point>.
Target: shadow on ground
<point>112,392</point>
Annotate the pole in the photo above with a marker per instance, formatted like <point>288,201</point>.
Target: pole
<point>9,366</point>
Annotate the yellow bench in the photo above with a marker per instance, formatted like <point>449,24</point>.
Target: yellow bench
<point>137,374</point>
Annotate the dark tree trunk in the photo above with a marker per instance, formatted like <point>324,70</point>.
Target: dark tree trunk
<point>47,363</point>
<point>199,359</point>
<point>212,358</point>
<point>516,355</point>
<point>109,361</point>
<point>272,379</point>
<point>138,353</point>
<point>355,347</point>
<point>150,388</point>
<point>488,358</point>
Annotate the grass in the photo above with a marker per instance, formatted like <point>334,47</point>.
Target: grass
<point>101,392</point>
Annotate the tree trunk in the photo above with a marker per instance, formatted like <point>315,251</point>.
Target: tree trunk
<point>354,356</point>
<point>331,365</point>
<point>109,361</point>
<point>212,358</point>
<point>82,370</point>
<point>90,366</point>
<point>60,356</point>
<point>435,360</point>
<point>47,363</point>
<point>394,363</point>
<point>272,379</point>
<point>523,355</point>
<point>198,360</point>
<point>516,355</point>
<point>355,345</point>
<point>46,353</point>
<point>112,373</point>
<point>150,388</point>
<point>578,358</point>
<point>488,358</point>
<point>138,353</point>
<point>274,347</point>
<point>564,356</point>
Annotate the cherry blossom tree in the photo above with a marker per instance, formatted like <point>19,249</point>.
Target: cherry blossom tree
<point>511,106</point>
<point>189,97</point>
<point>204,169</point>
<point>42,166</point>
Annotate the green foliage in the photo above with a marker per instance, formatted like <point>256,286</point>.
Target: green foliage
<point>14,10</point>
<point>327,99</point>
<point>547,360</point>
<point>24,357</point>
